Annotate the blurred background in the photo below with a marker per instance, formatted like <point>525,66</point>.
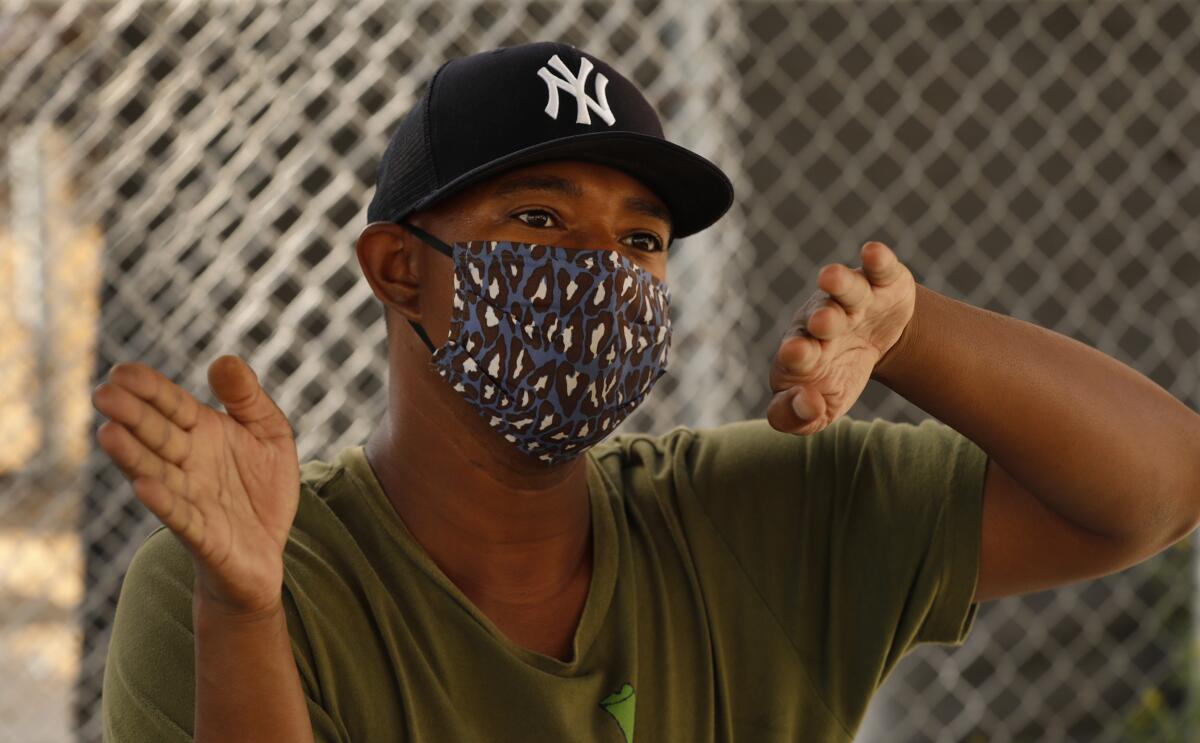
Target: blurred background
<point>183,179</point>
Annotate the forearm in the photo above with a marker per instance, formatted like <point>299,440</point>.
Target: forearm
<point>1094,440</point>
<point>247,684</point>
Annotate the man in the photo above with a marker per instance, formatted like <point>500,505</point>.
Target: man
<point>489,568</point>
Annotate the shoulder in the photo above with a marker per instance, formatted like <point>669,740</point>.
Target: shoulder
<point>752,457</point>
<point>736,444</point>
<point>322,477</point>
<point>161,569</point>
<point>330,490</point>
<point>344,526</point>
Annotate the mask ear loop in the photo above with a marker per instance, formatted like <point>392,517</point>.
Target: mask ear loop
<point>439,246</point>
<point>429,239</point>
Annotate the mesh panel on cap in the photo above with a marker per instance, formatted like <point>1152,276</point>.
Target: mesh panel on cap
<point>406,170</point>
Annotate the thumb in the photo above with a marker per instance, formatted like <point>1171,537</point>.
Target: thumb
<point>236,386</point>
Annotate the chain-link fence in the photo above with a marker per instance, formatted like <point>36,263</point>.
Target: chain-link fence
<point>1039,159</point>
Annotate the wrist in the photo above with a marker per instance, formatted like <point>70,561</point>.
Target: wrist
<point>899,354</point>
<point>207,607</point>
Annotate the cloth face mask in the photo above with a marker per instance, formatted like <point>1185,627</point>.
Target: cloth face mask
<point>553,346</point>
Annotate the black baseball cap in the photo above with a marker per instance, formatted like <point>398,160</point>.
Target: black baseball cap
<point>498,109</point>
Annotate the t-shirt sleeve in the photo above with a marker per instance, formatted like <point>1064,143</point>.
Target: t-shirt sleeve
<point>149,670</point>
<point>863,539</point>
<point>149,675</point>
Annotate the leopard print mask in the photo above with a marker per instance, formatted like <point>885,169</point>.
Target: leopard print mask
<point>552,346</point>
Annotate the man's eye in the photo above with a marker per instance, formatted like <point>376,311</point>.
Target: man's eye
<point>537,218</point>
<point>646,241</point>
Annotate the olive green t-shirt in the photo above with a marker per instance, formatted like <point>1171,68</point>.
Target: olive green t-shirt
<point>748,585</point>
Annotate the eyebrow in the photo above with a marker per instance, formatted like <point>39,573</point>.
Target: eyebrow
<point>571,188</point>
<point>539,183</point>
<point>648,207</point>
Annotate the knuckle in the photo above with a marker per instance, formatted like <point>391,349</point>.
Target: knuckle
<point>176,401</point>
<point>184,518</point>
<point>164,434</point>
<point>121,371</point>
<point>136,460</point>
<point>175,446</point>
<point>102,398</point>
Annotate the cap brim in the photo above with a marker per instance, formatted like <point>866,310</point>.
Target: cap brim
<point>697,193</point>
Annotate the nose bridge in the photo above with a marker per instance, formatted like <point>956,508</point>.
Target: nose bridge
<point>594,231</point>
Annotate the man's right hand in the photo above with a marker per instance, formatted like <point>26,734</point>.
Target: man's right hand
<point>227,484</point>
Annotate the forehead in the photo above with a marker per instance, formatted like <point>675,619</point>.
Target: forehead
<point>571,178</point>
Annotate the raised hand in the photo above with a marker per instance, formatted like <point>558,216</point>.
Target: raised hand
<point>227,484</point>
<point>837,337</point>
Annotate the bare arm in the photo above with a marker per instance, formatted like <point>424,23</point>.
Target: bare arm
<point>227,485</point>
<point>247,685</point>
<point>1092,467</point>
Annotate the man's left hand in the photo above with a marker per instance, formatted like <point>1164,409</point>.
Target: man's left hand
<point>837,338</point>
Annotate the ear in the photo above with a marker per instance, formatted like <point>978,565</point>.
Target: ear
<point>388,257</point>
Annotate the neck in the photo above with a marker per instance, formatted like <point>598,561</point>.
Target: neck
<point>506,529</point>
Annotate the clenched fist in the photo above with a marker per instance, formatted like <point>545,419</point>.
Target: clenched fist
<point>227,484</point>
<point>837,337</point>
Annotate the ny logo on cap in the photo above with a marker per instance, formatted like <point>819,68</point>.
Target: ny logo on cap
<point>575,86</point>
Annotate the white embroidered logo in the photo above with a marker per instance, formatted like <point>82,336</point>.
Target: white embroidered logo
<point>575,86</point>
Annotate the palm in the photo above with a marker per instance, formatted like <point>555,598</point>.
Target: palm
<point>246,491</point>
<point>837,339</point>
<point>227,483</point>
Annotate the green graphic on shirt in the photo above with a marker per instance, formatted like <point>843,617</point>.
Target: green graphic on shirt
<point>621,706</point>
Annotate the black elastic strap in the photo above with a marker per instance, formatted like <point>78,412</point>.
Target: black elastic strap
<point>429,239</point>
<point>439,246</point>
<point>424,336</point>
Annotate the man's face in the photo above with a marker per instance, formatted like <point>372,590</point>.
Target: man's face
<point>569,204</point>
<point>566,203</point>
